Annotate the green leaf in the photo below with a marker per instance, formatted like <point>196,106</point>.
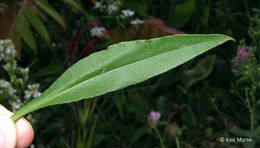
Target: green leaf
<point>256,131</point>
<point>99,138</point>
<point>122,65</point>
<point>183,13</point>
<point>46,7</point>
<point>33,18</point>
<point>249,145</point>
<point>16,39</point>
<point>241,132</point>
<point>199,72</point>
<point>138,133</point>
<point>91,135</point>
<point>73,4</point>
<point>23,28</point>
<point>120,100</point>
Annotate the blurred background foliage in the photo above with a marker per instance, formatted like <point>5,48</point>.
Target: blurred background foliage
<point>199,102</point>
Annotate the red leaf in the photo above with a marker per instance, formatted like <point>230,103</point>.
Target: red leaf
<point>3,6</point>
<point>89,48</point>
<point>154,21</point>
<point>93,1</point>
<point>109,32</point>
<point>155,27</point>
<point>96,23</point>
<point>73,44</point>
<point>6,23</point>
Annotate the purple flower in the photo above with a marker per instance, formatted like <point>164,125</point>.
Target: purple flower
<point>243,55</point>
<point>153,117</point>
<point>234,70</point>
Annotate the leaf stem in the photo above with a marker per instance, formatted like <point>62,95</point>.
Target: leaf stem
<point>159,136</point>
<point>177,142</point>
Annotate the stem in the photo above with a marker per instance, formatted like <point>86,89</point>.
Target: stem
<point>177,142</point>
<point>251,110</point>
<point>251,120</point>
<point>248,13</point>
<point>176,139</point>
<point>218,111</point>
<point>159,136</point>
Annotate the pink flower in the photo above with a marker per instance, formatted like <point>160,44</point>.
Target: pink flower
<point>153,117</point>
<point>243,55</point>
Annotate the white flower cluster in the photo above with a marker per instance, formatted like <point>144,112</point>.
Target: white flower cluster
<point>7,88</point>
<point>11,65</point>
<point>97,5</point>
<point>17,104</point>
<point>97,31</point>
<point>18,76</point>
<point>24,71</point>
<point>110,7</point>
<point>7,50</point>
<point>4,84</point>
<point>32,91</point>
<point>137,21</point>
<point>127,13</point>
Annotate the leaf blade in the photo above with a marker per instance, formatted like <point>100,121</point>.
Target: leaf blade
<point>23,28</point>
<point>16,39</point>
<point>183,13</point>
<point>73,4</point>
<point>36,22</point>
<point>122,65</point>
<point>46,7</point>
<point>6,21</point>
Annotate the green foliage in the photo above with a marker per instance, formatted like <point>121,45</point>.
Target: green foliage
<point>18,24</point>
<point>199,101</point>
<point>146,58</point>
<point>73,4</point>
<point>36,22</point>
<point>47,8</point>
<point>246,87</point>
<point>182,13</point>
<point>85,130</point>
<point>25,32</point>
<point>198,72</point>
<point>14,88</point>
